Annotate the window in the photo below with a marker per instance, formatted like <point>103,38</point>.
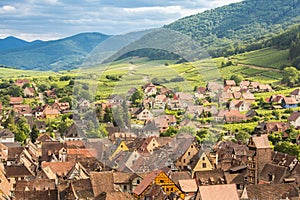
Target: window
<point>183,160</point>
<point>138,181</point>
<point>161,181</point>
<point>203,158</point>
<point>121,146</point>
<point>203,165</point>
<point>189,153</point>
<point>125,187</point>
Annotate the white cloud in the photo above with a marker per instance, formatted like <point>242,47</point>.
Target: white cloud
<point>7,9</point>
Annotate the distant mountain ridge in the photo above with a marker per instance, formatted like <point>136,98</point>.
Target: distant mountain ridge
<point>66,53</point>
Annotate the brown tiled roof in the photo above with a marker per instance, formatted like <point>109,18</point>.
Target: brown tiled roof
<point>271,191</point>
<point>44,138</point>
<point>206,177</point>
<point>79,189</point>
<point>294,116</point>
<point>15,100</point>
<point>114,196</point>
<point>146,182</point>
<point>277,171</point>
<point>35,185</point>
<point>295,92</point>
<point>59,168</point>
<point>230,82</point>
<point>6,133</point>
<point>180,175</point>
<point>261,142</point>
<point>49,148</point>
<point>217,192</point>
<point>290,100</point>
<point>14,152</point>
<point>102,182</point>
<point>17,171</point>
<point>37,195</point>
<point>83,152</point>
<point>188,185</point>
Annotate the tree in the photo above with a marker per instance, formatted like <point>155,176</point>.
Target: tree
<point>172,131</point>
<point>107,117</point>
<point>237,78</point>
<point>289,148</point>
<point>137,98</point>
<point>242,136</point>
<point>34,133</point>
<point>290,76</point>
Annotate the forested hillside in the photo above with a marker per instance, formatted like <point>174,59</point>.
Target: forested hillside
<point>241,26</point>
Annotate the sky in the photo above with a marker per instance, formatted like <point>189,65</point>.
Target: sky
<point>53,19</point>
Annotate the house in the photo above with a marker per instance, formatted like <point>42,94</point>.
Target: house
<point>296,94</point>
<point>160,178</point>
<point>248,97</point>
<point>127,181</point>
<point>225,97</point>
<point>229,83</point>
<point>210,177</point>
<point>53,151</point>
<point>164,121</point>
<point>50,113</point>
<point>119,146</point>
<point>160,101</point>
<point>21,82</point>
<point>273,174</point>
<point>29,92</point>
<point>189,149</point>
<point>276,98</point>
<point>115,99</point>
<point>61,106</point>
<point>234,116</point>
<point>24,110</point>
<point>294,119</point>
<point>270,127</point>
<point>244,84</point>
<point>51,93</point>
<point>83,104</point>
<point>78,189</point>
<point>188,187</point>
<point>149,89</point>
<point>289,102</point>
<point>144,114</point>
<point>216,192</point>
<point>6,136</point>
<point>201,162</point>
<point>36,189</point>
<point>150,129</point>
<point>264,88</point>
<point>74,133</point>
<point>214,87</point>
<point>239,105</point>
<point>18,172</point>
<point>270,191</point>
<point>38,112</point>
<point>16,100</point>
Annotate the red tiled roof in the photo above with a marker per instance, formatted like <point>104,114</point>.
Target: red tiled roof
<point>146,182</point>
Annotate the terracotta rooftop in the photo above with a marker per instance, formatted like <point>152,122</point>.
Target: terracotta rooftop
<point>189,185</point>
<point>59,168</point>
<point>217,192</point>
<point>102,182</point>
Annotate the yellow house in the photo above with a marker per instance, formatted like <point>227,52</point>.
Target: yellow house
<point>121,146</point>
<point>159,178</point>
<point>203,163</point>
<point>184,161</point>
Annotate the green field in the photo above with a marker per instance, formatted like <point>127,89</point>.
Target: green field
<point>269,58</point>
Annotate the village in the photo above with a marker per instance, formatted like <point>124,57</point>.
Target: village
<point>151,143</point>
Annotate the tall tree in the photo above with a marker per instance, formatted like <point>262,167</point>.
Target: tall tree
<point>34,133</point>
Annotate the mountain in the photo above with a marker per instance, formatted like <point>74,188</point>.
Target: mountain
<point>66,53</point>
<point>12,43</point>
<point>240,26</point>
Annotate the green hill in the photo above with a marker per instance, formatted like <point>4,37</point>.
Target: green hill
<point>241,26</point>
